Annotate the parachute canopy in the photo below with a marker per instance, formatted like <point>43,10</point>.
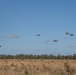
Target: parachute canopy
<point>37,34</point>
<point>67,33</point>
<point>71,34</point>
<point>55,40</point>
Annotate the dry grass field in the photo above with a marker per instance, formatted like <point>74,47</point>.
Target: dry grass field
<point>37,67</point>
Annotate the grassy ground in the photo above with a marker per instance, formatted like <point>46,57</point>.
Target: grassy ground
<point>37,67</point>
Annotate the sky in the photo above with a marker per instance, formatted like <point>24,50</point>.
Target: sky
<point>22,20</point>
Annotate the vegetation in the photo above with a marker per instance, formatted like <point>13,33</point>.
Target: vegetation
<point>37,67</point>
<point>45,56</point>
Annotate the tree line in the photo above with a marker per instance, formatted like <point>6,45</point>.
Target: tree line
<point>31,56</point>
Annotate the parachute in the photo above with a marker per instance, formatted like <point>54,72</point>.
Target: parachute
<point>55,40</point>
<point>71,34</point>
<point>67,33</point>
<point>37,34</point>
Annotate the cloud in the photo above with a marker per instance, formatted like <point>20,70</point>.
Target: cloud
<point>13,36</point>
<point>66,38</point>
<point>37,49</point>
<point>72,46</point>
<point>47,41</point>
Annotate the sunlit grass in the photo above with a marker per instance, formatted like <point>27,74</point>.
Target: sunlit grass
<point>37,67</point>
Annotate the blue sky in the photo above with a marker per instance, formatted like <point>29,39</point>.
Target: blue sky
<point>21,20</point>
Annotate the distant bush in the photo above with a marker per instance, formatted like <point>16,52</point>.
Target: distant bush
<point>26,56</point>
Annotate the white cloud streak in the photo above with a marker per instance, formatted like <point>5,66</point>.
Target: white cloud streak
<point>13,36</point>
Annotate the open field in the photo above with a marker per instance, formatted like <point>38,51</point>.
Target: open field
<point>37,67</point>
